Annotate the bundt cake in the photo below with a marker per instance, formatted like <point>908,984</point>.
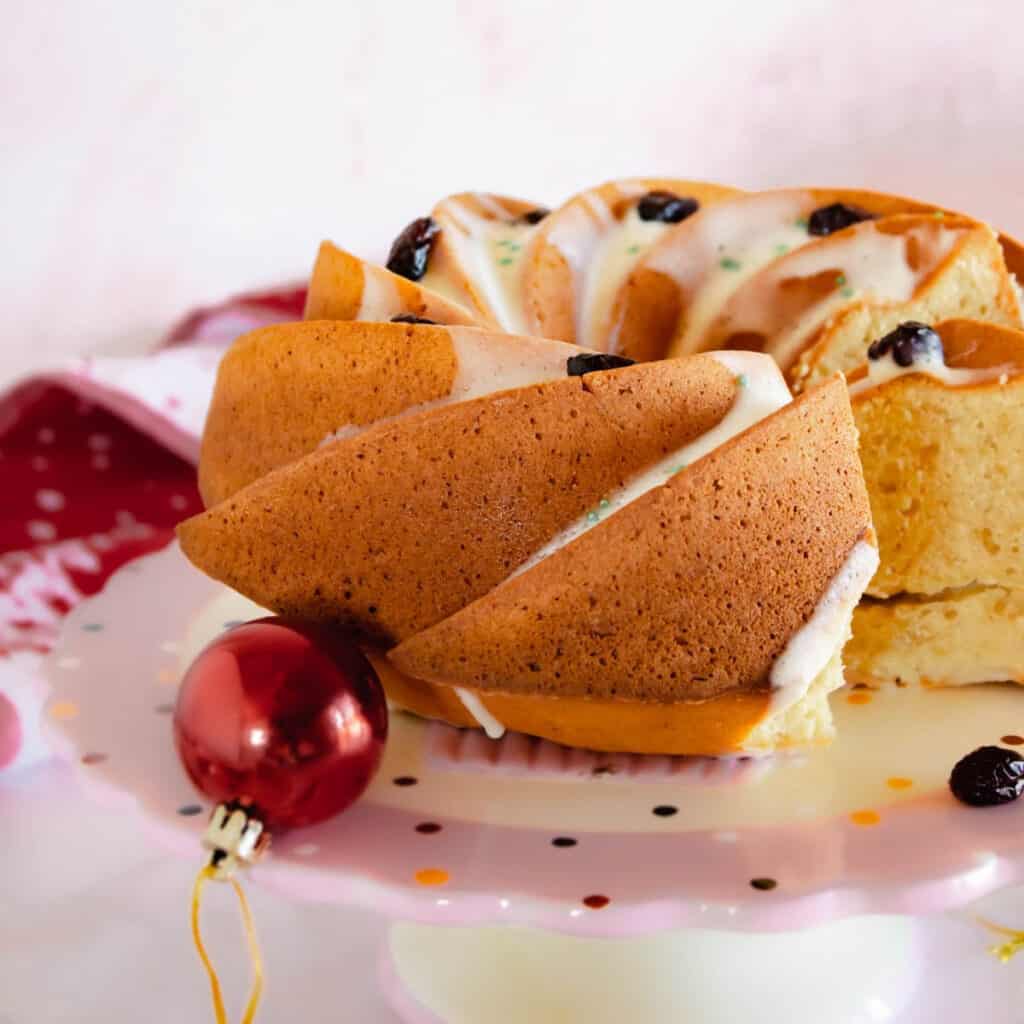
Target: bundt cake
<point>549,534</point>
<point>644,544</point>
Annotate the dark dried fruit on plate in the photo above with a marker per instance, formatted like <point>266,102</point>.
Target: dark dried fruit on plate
<point>594,362</point>
<point>988,776</point>
<point>666,207</point>
<point>410,251</point>
<point>834,217</point>
<point>911,341</point>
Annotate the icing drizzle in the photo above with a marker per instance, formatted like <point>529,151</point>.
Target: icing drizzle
<point>601,251</point>
<point>475,706</point>
<point>491,251</point>
<point>932,364</point>
<point>812,646</point>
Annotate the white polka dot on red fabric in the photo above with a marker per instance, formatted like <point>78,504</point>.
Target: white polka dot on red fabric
<point>50,500</point>
<point>40,530</point>
<point>40,463</point>
<point>179,501</point>
<point>47,435</point>
<point>99,442</point>
<point>100,461</point>
<point>101,542</point>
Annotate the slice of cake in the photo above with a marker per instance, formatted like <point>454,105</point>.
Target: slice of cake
<point>941,417</point>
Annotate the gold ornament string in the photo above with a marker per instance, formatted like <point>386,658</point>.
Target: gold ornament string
<point>1006,951</point>
<point>210,871</point>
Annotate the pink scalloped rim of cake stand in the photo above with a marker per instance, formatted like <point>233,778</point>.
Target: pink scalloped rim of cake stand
<point>929,854</point>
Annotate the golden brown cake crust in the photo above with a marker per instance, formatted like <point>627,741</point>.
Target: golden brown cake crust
<point>401,526</point>
<point>338,288</point>
<point>721,725</point>
<point>281,390</point>
<point>733,553</point>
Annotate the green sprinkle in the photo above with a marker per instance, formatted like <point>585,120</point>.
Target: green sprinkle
<point>514,246</point>
<point>633,250</point>
<point>840,280</point>
<point>604,503</point>
<point>593,517</point>
<point>741,380</point>
<point>781,249</point>
<point>939,213</point>
<point>729,263</point>
<point>676,469</point>
<point>506,260</point>
<point>847,293</point>
<point>801,222</point>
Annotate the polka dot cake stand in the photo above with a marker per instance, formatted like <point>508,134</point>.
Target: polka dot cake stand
<point>637,885</point>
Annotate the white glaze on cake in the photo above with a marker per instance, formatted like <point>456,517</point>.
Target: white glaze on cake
<point>475,706</point>
<point>931,364</point>
<point>611,262</point>
<point>869,265</point>
<point>485,364</point>
<point>761,391</point>
<point>601,251</point>
<point>380,299</point>
<point>723,246</point>
<point>812,646</point>
<point>491,252</point>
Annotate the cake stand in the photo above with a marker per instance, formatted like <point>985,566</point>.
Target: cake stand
<point>598,887</point>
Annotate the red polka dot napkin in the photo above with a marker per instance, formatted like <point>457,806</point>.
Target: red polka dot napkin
<point>97,466</point>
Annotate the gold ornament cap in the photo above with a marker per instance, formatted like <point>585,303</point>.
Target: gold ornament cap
<point>235,836</point>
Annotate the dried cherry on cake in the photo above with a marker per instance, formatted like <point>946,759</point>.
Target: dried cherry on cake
<point>666,207</point>
<point>910,341</point>
<point>534,216</point>
<point>834,217</point>
<point>409,318</point>
<point>410,251</point>
<point>594,362</point>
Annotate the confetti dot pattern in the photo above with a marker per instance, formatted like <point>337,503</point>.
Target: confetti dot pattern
<point>431,877</point>
<point>865,818</point>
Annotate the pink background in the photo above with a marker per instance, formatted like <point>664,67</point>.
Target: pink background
<point>162,155</point>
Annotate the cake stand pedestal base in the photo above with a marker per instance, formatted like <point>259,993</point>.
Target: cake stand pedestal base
<point>859,970</point>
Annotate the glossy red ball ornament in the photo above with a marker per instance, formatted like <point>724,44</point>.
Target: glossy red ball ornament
<point>287,716</point>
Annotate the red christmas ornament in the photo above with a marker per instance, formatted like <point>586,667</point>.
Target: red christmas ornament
<point>288,717</point>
